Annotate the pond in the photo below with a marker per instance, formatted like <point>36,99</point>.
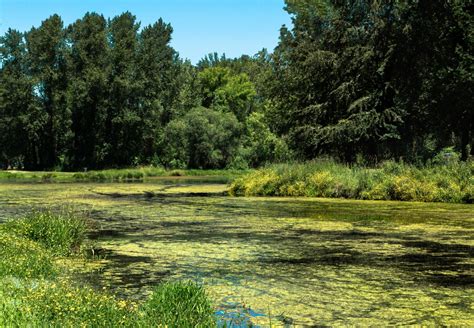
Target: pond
<point>284,261</point>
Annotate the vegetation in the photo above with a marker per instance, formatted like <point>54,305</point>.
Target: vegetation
<point>179,305</point>
<point>62,234</point>
<point>116,175</point>
<point>104,93</point>
<point>35,289</point>
<point>384,79</point>
<point>452,183</point>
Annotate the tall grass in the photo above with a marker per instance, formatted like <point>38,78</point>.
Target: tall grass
<point>182,304</point>
<point>61,233</point>
<point>391,180</point>
<point>60,303</point>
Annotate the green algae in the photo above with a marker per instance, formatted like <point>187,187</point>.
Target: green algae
<point>296,260</point>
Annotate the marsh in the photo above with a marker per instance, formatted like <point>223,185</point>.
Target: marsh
<point>301,261</point>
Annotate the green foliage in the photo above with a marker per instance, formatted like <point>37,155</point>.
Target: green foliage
<point>47,51</point>
<point>62,234</point>
<point>341,86</point>
<point>227,92</point>
<point>102,93</point>
<point>391,181</point>
<point>261,145</point>
<point>61,304</point>
<point>203,138</point>
<point>87,89</point>
<point>182,304</point>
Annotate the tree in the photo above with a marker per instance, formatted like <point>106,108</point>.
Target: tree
<point>21,120</point>
<point>47,52</point>
<point>341,80</point>
<point>158,68</point>
<point>123,121</point>
<point>203,138</point>
<point>227,92</point>
<point>88,94</point>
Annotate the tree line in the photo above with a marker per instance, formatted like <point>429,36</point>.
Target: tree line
<point>378,79</point>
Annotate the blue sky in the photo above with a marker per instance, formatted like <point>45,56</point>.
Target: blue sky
<point>200,26</point>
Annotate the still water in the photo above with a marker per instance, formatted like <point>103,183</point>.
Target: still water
<point>278,261</point>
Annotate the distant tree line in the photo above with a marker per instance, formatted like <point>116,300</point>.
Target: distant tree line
<point>378,79</point>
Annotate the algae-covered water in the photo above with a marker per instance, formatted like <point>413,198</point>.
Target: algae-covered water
<point>279,261</point>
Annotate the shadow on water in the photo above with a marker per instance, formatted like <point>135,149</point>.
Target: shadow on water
<point>309,262</point>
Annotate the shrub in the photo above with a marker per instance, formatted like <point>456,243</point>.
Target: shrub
<point>321,184</point>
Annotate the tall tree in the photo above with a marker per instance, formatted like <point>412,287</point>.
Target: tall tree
<point>157,66</point>
<point>47,60</point>
<point>21,120</point>
<point>370,76</point>
<point>123,119</point>
<point>88,89</point>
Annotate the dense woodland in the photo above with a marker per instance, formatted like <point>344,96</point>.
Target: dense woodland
<point>372,79</point>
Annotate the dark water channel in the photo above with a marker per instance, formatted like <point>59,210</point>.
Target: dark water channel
<point>299,262</point>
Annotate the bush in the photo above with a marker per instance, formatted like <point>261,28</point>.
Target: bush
<point>262,182</point>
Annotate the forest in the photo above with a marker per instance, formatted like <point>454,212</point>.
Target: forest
<point>351,80</point>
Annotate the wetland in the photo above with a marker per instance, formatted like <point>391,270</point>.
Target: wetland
<point>274,260</point>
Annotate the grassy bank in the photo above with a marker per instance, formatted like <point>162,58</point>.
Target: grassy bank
<point>37,289</point>
<point>115,175</point>
<point>453,183</point>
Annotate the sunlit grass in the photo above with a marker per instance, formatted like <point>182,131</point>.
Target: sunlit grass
<point>62,234</point>
<point>182,304</point>
<point>24,258</point>
<point>453,183</point>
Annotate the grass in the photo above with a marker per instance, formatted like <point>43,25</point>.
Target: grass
<point>114,175</point>
<point>24,258</point>
<point>62,234</point>
<point>451,183</point>
<point>182,304</point>
<point>60,303</point>
<point>35,290</point>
